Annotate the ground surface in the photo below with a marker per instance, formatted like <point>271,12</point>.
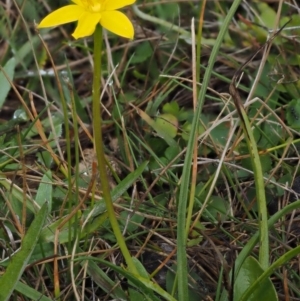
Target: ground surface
<point>149,107</point>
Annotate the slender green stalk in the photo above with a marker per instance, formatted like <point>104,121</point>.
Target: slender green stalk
<point>76,146</point>
<point>184,189</point>
<point>199,41</point>
<point>69,173</point>
<point>98,141</point>
<point>196,90</point>
<point>260,192</point>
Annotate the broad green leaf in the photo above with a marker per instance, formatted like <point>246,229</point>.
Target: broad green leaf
<point>44,193</point>
<point>162,130</point>
<point>220,134</point>
<point>133,223</point>
<point>172,151</point>
<point>168,11</point>
<point>217,208</point>
<point>249,272</point>
<point>259,282</point>
<point>9,70</point>
<point>267,14</point>
<point>140,268</point>
<point>166,124</point>
<point>142,53</point>
<point>171,108</point>
<point>135,295</point>
<point>186,129</point>
<point>19,261</point>
<point>195,236</point>
<point>294,21</point>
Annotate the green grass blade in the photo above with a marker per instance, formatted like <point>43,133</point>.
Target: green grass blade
<point>144,284</point>
<point>9,70</point>
<point>99,211</point>
<point>103,281</point>
<point>18,263</point>
<point>31,293</point>
<point>260,192</point>
<point>183,196</point>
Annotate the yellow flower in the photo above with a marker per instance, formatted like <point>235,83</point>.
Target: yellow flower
<point>89,13</point>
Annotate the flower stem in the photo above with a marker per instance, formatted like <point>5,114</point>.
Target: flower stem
<point>98,142</point>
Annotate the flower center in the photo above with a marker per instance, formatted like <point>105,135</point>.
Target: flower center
<point>92,5</point>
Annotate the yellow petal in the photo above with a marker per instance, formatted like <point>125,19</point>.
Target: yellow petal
<point>86,25</point>
<point>116,4</point>
<point>117,23</point>
<point>78,2</point>
<point>66,14</point>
